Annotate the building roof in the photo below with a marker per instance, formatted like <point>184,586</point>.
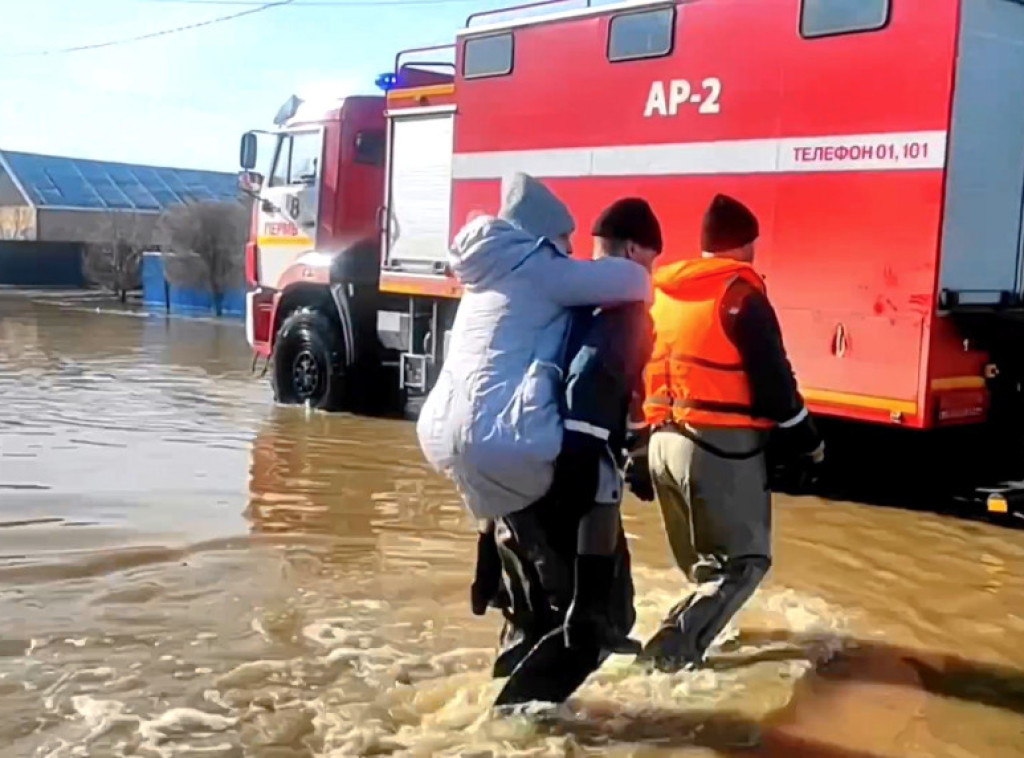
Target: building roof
<point>54,182</point>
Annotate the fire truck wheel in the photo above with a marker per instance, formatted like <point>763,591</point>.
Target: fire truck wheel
<point>309,361</point>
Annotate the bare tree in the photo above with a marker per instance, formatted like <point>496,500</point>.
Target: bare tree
<point>206,246</point>
<point>114,260</point>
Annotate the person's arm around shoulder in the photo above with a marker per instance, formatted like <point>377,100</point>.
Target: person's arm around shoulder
<point>570,282</point>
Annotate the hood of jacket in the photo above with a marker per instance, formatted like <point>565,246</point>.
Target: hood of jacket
<point>530,205</point>
<point>679,279</point>
<point>488,249</point>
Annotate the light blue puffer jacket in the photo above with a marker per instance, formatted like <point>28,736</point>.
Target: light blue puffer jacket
<point>492,423</point>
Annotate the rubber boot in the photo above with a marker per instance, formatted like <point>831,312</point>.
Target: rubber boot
<point>486,588</point>
<point>692,626</point>
<point>670,650</point>
<point>587,623</point>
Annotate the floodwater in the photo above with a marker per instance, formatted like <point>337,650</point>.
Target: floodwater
<point>186,569</point>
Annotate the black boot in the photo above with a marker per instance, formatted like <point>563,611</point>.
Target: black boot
<point>670,649</point>
<point>486,588</point>
<point>588,623</point>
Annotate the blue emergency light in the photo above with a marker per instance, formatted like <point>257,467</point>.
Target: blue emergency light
<point>387,81</point>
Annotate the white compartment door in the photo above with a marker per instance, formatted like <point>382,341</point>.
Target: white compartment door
<point>419,190</point>
<point>982,255</point>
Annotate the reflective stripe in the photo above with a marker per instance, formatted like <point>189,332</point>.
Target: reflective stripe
<point>703,362</point>
<point>709,405</point>
<point>702,405</point>
<point>795,420</point>
<point>636,426</point>
<point>730,409</point>
<point>584,428</point>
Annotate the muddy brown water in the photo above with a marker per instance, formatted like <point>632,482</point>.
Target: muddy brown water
<point>186,569</point>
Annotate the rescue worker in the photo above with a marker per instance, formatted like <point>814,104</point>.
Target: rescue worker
<point>492,422</point>
<point>718,382</point>
<point>604,383</point>
<point>566,556</point>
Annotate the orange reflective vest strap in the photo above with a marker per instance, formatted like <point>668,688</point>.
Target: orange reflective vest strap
<point>661,411</point>
<point>695,375</point>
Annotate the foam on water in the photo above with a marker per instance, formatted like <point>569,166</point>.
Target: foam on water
<point>441,704</point>
<point>183,721</point>
<point>351,691</point>
<point>176,731</point>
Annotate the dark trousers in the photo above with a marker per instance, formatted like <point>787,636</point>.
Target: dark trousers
<point>717,513</point>
<point>538,553</point>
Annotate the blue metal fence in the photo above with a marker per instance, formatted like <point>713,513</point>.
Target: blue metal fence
<point>157,292</point>
<point>41,264</point>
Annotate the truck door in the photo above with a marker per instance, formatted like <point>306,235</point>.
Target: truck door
<point>291,203</point>
<point>419,191</point>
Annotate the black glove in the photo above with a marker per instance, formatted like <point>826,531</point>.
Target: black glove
<point>799,472</point>
<point>487,582</point>
<point>807,468</point>
<point>800,452</point>
<point>638,477</point>
<point>637,470</point>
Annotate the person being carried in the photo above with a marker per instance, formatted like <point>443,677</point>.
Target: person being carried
<point>717,383</point>
<point>493,422</point>
<point>570,548</point>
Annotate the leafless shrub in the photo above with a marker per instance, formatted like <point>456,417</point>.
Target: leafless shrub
<point>115,262</point>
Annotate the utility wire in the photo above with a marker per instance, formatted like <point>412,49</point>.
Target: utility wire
<point>153,35</point>
<point>257,7</point>
<point>320,3</point>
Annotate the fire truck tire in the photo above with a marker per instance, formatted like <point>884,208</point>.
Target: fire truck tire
<point>309,362</point>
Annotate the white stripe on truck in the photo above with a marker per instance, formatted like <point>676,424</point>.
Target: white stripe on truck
<point>897,151</point>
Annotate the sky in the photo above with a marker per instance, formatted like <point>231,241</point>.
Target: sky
<point>184,99</point>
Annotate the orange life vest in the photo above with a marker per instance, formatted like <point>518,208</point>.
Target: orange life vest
<point>695,375</point>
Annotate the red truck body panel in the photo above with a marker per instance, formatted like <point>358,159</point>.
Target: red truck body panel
<point>838,144</point>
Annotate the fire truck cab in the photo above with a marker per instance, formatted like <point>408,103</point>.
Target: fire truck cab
<point>880,142</point>
<point>311,260</point>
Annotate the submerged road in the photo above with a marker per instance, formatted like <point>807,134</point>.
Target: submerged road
<point>186,569</point>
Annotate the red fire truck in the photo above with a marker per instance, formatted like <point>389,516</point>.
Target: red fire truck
<point>881,143</point>
<point>312,261</point>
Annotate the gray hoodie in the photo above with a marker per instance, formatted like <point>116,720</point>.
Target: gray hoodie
<point>492,423</point>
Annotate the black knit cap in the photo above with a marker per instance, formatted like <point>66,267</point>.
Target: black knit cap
<point>630,219</point>
<point>728,224</point>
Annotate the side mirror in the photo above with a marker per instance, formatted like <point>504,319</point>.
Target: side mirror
<point>247,151</point>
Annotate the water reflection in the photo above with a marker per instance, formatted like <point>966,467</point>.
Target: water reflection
<point>359,483</point>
